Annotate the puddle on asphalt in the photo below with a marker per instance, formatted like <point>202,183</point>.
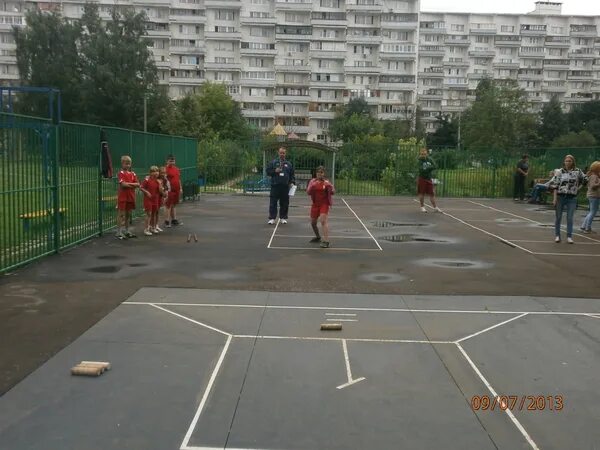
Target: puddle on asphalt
<point>454,263</point>
<point>409,238</point>
<point>111,257</point>
<point>137,265</point>
<point>381,277</point>
<point>104,269</point>
<point>390,224</point>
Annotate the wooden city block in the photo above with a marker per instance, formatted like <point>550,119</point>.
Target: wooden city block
<point>102,364</point>
<point>86,371</point>
<point>331,326</point>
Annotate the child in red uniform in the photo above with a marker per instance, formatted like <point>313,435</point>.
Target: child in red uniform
<point>320,191</point>
<point>174,177</point>
<point>152,188</point>
<point>166,188</point>
<point>128,181</point>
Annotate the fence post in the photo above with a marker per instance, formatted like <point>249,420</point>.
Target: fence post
<point>56,185</point>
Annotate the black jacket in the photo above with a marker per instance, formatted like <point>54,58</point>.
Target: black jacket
<point>285,177</point>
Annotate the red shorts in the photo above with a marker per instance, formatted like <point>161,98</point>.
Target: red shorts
<point>425,186</point>
<point>125,206</point>
<point>319,210</point>
<point>150,206</point>
<point>172,199</point>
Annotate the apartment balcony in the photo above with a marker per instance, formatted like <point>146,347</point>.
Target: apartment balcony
<point>431,73</point>
<point>529,77</point>
<point>331,23</point>
<point>430,108</point>
<point>425,30</point>
<point>166,3</point>
<point>159,64</point>
<point>399,86</point>
<point>577,100</point>
<point>584,53</point>
<point>595,87</point>
<point>13,60</point>
<point>188,19</point>
<point>228,4</point>
<point>369,100</point>
<point>257,82</point>
<point>506,65</point>
<point>292,98</point>
<point>453,108</point>
<point>293,6</point>
<point>324,84</point>
<point>357,39</point>
<point>456,63</point>
<point>580,76</point>
<point>432,50</point>
<point>186,81</point>
<point>407,25</point>
<point>537,54</point>
<point>584,31</point>
<point>464,42</point>
<point>246,20</point>
<point>376,7</point>
<point>557,43</point>
<point>505,42</point>
<point>463,84</point>
<point>479,76</point>
<point>293,37</point>
<point>482,53</point>
<point>268,113</point>
<point>374,70</point>
<point>328,54</point>
<point>397,55</point>
<point>566,65</point>
<point>291,68</point>
<point>158,33</point>
<point>226,67</point>
<point>480,31</point>
<point>219,36</point>
<point>258,52</point>
<point>176,50</point>
<point>438,96</point>
<point>538,32</point>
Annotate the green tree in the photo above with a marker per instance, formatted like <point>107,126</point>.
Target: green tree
<point>574,140</point>
<point>586,116</point>
<point>211,114</point>
<point>446,134</point>
<point>553,122</point>
<point>354,121</point>
<point>47,57</point>
<point>499,117</point>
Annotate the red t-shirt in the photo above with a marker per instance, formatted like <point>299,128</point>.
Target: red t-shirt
<point>319,192</point>
<point>151,185</point>
<point>174,177</point>
<point>127,194</point>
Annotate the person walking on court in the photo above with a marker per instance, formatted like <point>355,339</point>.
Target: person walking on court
<point>320,190</point>
<point>282,176</point>
<point>593,196</point>
<point>425,181</point>
<point>520,177</point>
<point>567,182</point>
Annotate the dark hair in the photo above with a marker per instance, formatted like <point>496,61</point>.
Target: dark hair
<point>319,169</point>
<point>525,155</point>
<point>170,157</point>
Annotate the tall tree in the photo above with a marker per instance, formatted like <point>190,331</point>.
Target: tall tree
<point>553,122</point>
<point>499,117</point>
<point>446,134</point>
<point>210,114</point>
<point>47,57</point>
<point>586,116</point>
<point>575,140</point>
<point>354,121</point>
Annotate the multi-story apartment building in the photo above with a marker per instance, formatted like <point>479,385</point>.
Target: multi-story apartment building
<point>294,61</point>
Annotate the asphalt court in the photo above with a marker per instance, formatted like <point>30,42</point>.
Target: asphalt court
<point>203,369</point>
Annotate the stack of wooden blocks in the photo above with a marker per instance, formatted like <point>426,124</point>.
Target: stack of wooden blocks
<point>90,368</point>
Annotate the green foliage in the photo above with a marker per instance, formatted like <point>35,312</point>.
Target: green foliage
<point>400,174</point>
<point>586,116</point>
<point>212,114</point>
<point>220,160</point>
<point>582,139</point>
<point>446,134</point>
<point>102,70</point>
<point>499,117</point>
<point>553,122</point>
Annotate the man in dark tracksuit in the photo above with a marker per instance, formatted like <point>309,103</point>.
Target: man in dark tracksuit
<point>282,177</point>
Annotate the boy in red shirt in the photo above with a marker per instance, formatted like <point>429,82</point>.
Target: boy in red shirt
<point>320,191</point>
<point>152,189</point>
<point>174,177</point>
<point>128,181</point>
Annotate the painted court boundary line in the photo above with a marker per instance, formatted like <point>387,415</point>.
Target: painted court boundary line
<point>185,443</point>
<point>342,308</point>
<point>362,223</point>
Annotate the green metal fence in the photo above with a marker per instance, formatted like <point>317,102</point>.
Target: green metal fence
<point>51,193</point>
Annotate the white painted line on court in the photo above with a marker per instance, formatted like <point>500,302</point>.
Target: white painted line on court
<point>506,241</point>
<point>339,308</point>
<point>490,328</point>
<point>342,320</point>
<point>512,417</point>
<point>593,316</point>
<point>361,222</point>
<point>351,381</point>
<point>551,241</point>
<point>273,235</point>
<point>331,237</point>
<point>563,227</point>
<point>316,338</point>
<point>329,249</point>
<point>211,381</point>
<point>340,314</point>
<point>191,320</point>
<point>565,254</point>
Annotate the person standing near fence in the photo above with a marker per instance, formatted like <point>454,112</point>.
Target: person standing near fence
<point>175,191</point>
<point>128,182</point>
<point>567,182</point>
<point>593,196</point>
<point>520,177</point>
<point>282,176</point>
<point>425,181</point>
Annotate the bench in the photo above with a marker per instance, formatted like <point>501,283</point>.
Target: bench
<point>254,185</point>
<point>544,194</point>
<point>302,178</point>
<point>28,217</point>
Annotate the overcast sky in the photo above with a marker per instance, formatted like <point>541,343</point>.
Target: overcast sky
<point>570,7</point>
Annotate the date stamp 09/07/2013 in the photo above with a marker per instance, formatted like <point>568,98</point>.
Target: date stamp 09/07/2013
<point>517,402</point>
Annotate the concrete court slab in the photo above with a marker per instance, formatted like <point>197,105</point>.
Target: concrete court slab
<point>580,247</point>
<point>302,243</point>
<point>144,401</point>
<point>290,400</point>
<point>547,356</point>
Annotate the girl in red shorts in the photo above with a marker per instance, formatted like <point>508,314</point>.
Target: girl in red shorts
<point>425,180</point>
<point>320,191</point>
<point>152,189</point>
